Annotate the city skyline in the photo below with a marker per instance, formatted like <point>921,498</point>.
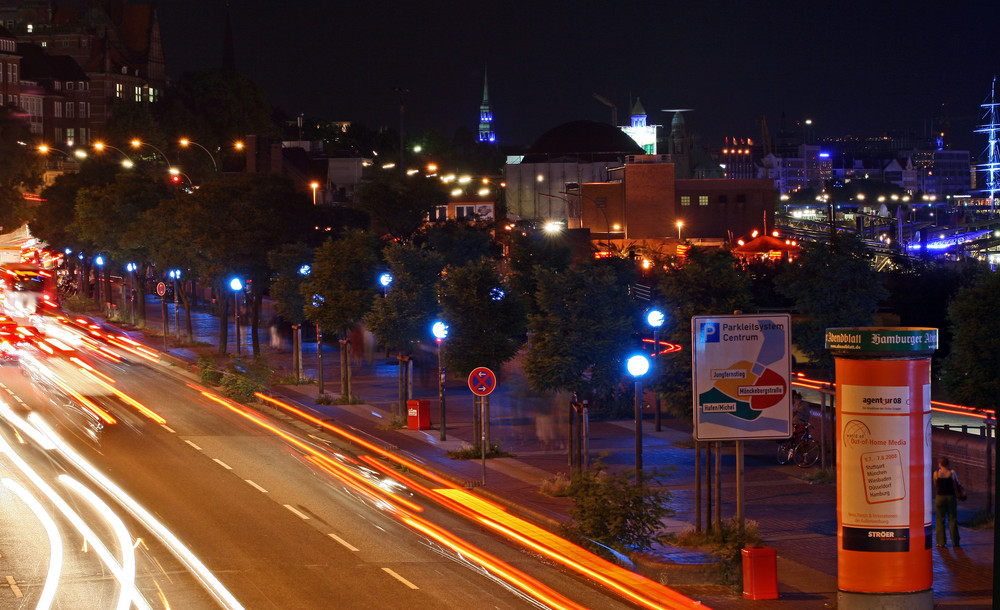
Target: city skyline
<point>854,68</point>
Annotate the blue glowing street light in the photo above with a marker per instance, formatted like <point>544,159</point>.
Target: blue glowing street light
<point>237,286</point>
<point>385,280</point>
<point>440,331</point>
<point>638,366</point>
<point>655,318</point>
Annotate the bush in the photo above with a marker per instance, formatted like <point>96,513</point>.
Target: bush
<point>209,375</point>
<point>557,486</point>
<point>240,382</point>
<point>79,304</point>
<point>727,542</point>
<point>611,509</point>
<point>468,452</point>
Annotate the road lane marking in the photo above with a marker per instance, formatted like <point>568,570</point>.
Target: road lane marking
<point>168,428</point>
<point>221,463</point>
<point>256,486</point>
<point>18,399</point>
<point>347,544</point>
<point>400,578</point>
<point>14,588</point>
<point>300,514</point>
<point>193,445</point>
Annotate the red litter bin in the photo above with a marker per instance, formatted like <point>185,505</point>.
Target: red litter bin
<point>418,414</point>
<point>760,573</point>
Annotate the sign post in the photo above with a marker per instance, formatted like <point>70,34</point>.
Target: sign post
<point>482,382</point>
<point>161,289</point>
<point>883,414</point>
<point>741,371</point>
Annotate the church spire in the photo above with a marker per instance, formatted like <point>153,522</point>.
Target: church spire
<point>486,133</point>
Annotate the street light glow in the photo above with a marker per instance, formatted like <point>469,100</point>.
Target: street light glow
<point>637,365</point>
<point>236,284</point>
<point>439,330</point>
<point>385,279</point>
<point>655,318</point>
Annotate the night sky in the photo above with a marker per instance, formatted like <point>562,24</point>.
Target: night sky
<point>853,67</point>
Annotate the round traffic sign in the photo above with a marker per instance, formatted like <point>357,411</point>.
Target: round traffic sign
<point>482,381</point>
<point>161,289</point>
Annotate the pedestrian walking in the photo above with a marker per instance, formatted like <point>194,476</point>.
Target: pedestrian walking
<point>946,502</point>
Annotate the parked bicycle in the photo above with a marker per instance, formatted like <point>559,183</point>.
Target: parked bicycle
<point>801,449</point>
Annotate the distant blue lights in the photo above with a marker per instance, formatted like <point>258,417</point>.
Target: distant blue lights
<point>947,242</point>
<point>824,155</point>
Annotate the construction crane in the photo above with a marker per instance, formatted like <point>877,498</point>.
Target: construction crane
<point>765,137</point>
<point>610,104</point>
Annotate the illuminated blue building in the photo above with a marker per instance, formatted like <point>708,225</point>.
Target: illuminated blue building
<point>486,133</point>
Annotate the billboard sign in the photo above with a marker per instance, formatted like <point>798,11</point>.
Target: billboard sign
<point>741,373</point>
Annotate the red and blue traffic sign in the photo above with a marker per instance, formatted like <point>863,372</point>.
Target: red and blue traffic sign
<point>482,381</point>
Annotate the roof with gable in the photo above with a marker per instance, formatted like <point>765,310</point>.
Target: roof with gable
<point>582,140</point>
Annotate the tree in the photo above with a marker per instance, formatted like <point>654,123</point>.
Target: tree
<point>341,289</point>
<point>104,216</point>
<point>403,317</point>
<point>582,330</point>
<point>705,282</point>
<point>486,324</point>
<point>399,206</point>
<point>531,251</point>
<point>21,170</point>
<point>833,285</point>
<point>970,372</point>
<point>459,242</point>
<point>226,228</point>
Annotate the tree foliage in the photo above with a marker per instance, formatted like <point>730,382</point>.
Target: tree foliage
<point>583,328</point>
<point>486,322</point>
<point>530,252</point>
<point>705,282</point>
<point>287,262</point>
<point>21,169</point>
<point>833,285</point>
<point>404,315</point>
<point>398,206</point>
<point>341,286</point>
<point>970,372</point>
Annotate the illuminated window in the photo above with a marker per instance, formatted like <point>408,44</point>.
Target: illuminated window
<point>702,199</point>
<point>118,90</point>
<point>685,199</point>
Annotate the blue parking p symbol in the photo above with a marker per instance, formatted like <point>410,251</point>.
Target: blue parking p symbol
<point>709,332</point>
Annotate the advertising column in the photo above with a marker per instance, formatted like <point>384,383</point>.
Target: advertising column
<point>883,412</point>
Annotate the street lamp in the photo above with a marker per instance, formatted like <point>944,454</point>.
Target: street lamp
<point>99,261</point>
<point>175,275</point>
<point>638,366</point>
<point>655,318</point>
<point>78,153</point>
<point>680,223</point>
<point>314,185</point>
<point>440,331</point>
<point>384,280</point>
<point>237,286</point>
<point>184,142</point>
<point>126,160</point>
<point>130,267</point>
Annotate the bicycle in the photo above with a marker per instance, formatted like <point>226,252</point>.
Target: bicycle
<point>801,448</point>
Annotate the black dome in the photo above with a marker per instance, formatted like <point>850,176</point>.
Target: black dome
<point>584,141</point>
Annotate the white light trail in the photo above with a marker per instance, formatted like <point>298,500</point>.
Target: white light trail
<point>55,543</point>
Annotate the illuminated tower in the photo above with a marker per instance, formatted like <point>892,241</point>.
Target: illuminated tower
<point>486,133</point>
<point>991,127</point>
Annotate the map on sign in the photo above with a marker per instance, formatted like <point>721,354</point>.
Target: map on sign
<point>741,371</point>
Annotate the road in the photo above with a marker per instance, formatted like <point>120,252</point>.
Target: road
<point>282,515</point>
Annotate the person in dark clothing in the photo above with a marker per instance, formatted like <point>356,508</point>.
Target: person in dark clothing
<point>945,502</point>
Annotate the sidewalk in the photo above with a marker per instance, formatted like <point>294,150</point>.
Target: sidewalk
<point>796,518</point>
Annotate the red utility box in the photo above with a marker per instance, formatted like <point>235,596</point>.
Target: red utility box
<point>760,573</point>
<point>418,414</point>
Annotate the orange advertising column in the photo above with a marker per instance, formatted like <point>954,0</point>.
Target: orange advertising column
<point>883,385</point>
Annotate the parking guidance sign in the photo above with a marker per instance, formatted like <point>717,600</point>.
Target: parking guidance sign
<point>741,372</point>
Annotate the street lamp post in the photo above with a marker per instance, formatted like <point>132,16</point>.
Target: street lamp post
<point>638,366</point>
<point>139,143</point>
<point>680,223</point>
<point>175,275</point>
<point>99,261</point>
<point>440,331</point>
<point>237,286</point>
<point>126,160</point>
<point>79,154</point>
<point>314,185</point>
<point>184,142</point>
<point>655,318</point>
<point>131,295</point>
